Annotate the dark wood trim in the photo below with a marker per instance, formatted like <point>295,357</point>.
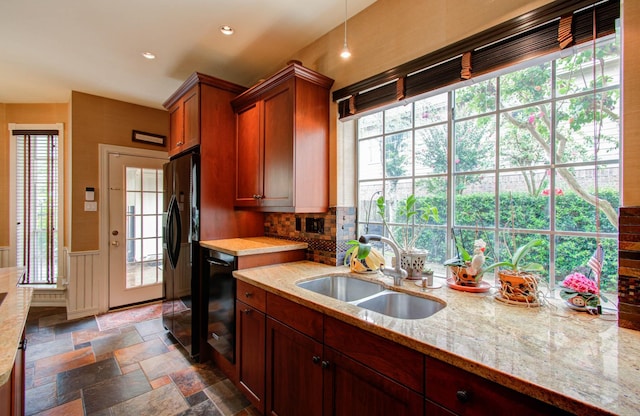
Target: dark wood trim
<point>509,28</point>
<point>200,78</point>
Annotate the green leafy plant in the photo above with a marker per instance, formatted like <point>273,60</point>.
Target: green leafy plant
<point>515,263</point>
<point>407,210</point>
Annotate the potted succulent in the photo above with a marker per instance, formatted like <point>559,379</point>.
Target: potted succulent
<point>518,280</point>
<point>412,259</point>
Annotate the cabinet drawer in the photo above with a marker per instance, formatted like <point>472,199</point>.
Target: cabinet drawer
<point>296,316</point>
<point>251,295</point>
<point>384,356</point>
<point>465,393</point>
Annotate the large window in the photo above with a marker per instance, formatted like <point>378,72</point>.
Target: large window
<point>530,152</point>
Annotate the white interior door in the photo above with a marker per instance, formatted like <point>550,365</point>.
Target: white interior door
<point>135,229</point>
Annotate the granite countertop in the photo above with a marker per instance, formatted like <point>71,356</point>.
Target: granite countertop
<point>253,245</point>
<point>581,363</point>
<point>13,316</point>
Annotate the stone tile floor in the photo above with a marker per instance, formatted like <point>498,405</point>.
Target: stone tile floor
<point>121,363</point>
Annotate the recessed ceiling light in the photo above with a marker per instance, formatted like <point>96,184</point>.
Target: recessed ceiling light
<point>148,55</point>
<point>226,30</point>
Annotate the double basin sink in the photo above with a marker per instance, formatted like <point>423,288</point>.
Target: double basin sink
<point>373,296</point>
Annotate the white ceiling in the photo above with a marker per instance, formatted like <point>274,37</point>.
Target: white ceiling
<point>48,48</point>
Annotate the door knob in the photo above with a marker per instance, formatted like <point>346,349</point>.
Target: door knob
<point>115,243</point>
<point>114,232</point>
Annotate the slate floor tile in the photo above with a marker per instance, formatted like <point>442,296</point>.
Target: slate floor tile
<point>164,364</point>
<point>226,397</point>
<point>37,351</point>
<point>139,352</point>
<point>164,401</point>
<point>62,362</point>
<point>205,408</point>
<point>115,390</point>
<point>102,346</point>
<point>71,326</point>
<point>79,378</point>
<point>40,398</point>
<point>72,408</point>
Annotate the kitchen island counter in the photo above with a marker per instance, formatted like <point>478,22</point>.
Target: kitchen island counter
<point>581,363</point>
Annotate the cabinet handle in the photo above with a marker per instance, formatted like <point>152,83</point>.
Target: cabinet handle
<point>257,196</point>
<point>248,294</point>
<point>463,396</point>
<point>179,144</point>
<point>325,364</point>
<point>23,345</point>
<point>315,359</point>
<point>247,311</point>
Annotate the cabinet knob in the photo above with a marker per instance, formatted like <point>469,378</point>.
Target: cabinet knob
<point>179,144</point>
<point>257,196</point>
<point>463,396</point>
<point>247,311</point>
<point>248,294</point>
<point>315,359</point>
<point>325,364</point>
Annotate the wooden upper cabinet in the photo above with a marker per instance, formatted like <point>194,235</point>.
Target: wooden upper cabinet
<point>184,122</point>
<point>283,143</point>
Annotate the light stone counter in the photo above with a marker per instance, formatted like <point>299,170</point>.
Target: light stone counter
<point>13,316</point>
<point>581,363</point>
<point>253,245</point>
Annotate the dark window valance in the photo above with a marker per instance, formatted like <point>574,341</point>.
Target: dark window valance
<point>545,30</point>
<point>34,132</point>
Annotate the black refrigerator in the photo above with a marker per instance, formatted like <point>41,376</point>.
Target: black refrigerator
<point>182,304</point>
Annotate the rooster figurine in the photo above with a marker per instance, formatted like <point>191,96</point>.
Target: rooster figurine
<point>478,257</point>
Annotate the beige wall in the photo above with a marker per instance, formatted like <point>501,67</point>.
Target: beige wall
<point>21,114</point>
<point>97,120</point>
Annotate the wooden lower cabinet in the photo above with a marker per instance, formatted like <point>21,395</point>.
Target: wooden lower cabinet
<point>250,324</point>
<point>12,392</point>
<point>351,388</point>
<point>294,372</point>
<point>453,391</point>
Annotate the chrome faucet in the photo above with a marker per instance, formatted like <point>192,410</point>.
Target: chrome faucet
<point>398,273</point>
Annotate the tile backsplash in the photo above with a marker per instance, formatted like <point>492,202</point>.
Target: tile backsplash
<point>629,268</point>
<point>327,234</point>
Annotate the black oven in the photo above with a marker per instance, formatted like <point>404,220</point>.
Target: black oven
<point>221,314</point>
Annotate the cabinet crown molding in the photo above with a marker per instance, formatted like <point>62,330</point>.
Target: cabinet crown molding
<point>200,78</point>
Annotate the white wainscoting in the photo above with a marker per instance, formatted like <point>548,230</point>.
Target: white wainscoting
<point>4,257</point>
<point>84,283</point>
<point>49,297</point>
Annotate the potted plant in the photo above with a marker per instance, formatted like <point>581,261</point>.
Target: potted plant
<point>467,269</point>
<point>412,259</point>
<point>362,258</point>
<point>518,280</point>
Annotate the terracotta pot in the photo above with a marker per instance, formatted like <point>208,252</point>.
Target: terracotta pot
<point>518,286</point>
<point>463,277</point>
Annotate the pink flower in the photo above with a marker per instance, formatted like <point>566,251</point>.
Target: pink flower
<point>546,192</point>
<point>559,191</point>
<point>532,119</point>
<point>580,283</point>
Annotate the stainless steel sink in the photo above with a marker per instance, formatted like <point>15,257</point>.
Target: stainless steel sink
<point>373,296</point>
<point>401,305</point>
<point>342,287</point>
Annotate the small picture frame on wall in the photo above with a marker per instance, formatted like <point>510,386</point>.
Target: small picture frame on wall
<point>150,138</point>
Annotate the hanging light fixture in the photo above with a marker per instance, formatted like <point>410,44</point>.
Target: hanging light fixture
<point>345,53</point>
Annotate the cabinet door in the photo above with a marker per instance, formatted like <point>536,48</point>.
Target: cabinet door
<point>350,388</point>
<point>176,129</point>
<point>250,324</point>
<point>294,372</point>
<point>278,147</point>
<point>191,109</point>
<point>248,156</point>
